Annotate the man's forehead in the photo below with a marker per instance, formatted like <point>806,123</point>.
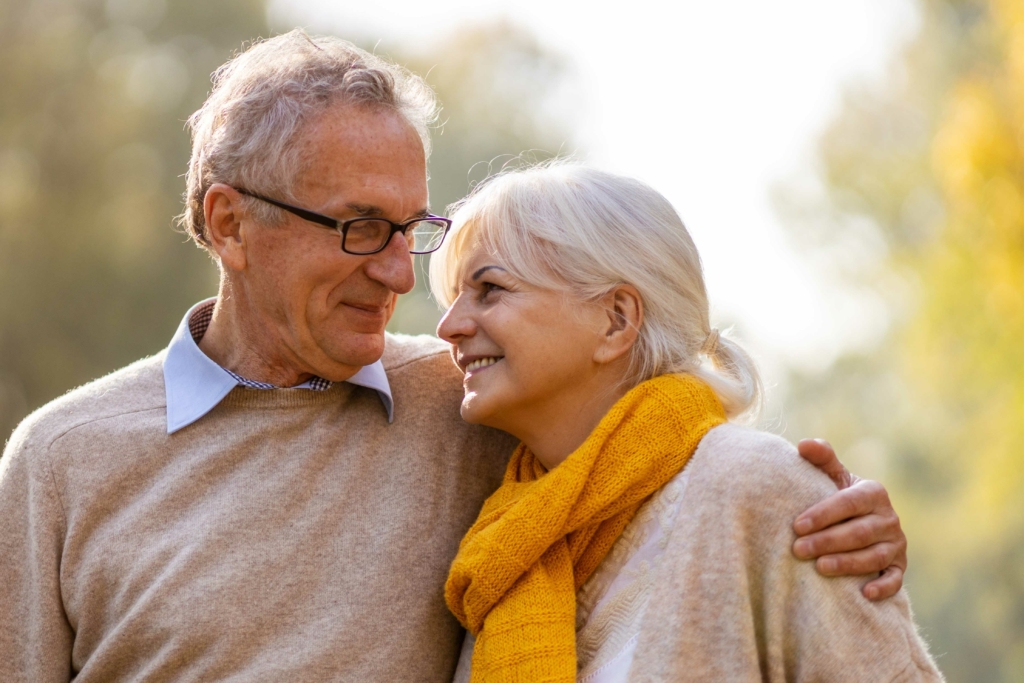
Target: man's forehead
<point>360,132</point>
<point>383,176</point>
<point>364,133</point>
<point>372,193</point>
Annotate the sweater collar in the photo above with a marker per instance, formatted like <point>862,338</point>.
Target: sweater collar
<point>195,384</point>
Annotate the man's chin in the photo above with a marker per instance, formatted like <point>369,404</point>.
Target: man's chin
<point>355,349</point>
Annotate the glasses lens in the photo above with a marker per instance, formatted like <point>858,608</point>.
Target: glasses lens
<point>365,237</point>
<point>426,236</point>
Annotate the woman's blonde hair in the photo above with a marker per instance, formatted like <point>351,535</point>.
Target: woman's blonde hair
<point>567,227</point>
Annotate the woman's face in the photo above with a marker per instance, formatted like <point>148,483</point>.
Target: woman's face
<point>528,353</point>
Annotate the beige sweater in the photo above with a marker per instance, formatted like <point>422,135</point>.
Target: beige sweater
<point>729,601</point>
<point>288,535</point>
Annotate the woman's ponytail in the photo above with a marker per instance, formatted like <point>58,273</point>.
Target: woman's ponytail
<point>732,374</point>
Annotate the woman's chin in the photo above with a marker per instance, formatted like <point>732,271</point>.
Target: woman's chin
<point>475,410</point>
<point>468,413</point>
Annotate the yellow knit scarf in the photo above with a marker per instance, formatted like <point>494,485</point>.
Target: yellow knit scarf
<point>541,534</point>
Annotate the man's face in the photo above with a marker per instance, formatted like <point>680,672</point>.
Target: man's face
<point>326,308</point>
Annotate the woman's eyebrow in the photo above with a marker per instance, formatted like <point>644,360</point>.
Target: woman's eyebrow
<point>481,271</point>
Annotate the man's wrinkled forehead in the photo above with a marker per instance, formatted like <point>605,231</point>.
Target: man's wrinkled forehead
<point>368,162</point>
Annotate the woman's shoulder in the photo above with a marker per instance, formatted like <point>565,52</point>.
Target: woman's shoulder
<point>731,602</point>
<point>738,463</point>
<point>733,444</point>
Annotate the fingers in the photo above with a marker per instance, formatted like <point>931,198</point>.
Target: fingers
<point>886,585</point>
<point>854,535</point>
<point>855,531</point>
<point>820,453</point>
<point>864,497</point>
<point>878,557</point>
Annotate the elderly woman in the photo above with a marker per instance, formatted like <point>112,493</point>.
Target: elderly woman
<point>639,534</point>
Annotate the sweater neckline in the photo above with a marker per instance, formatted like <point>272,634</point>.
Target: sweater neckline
<point>245,397</point>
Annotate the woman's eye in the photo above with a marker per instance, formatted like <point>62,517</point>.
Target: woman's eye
<point>489,287</point>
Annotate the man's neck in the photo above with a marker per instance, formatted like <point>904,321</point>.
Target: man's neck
<point>238,343</point>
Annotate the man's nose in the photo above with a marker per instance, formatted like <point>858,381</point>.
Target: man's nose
<point>392,267</point>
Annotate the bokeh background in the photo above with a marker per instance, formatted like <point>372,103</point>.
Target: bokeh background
<point>852,171</point>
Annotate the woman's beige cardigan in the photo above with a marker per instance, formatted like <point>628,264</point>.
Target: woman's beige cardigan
<point>729,601</point>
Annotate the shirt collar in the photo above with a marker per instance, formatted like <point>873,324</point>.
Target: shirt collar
<point>195,384</point>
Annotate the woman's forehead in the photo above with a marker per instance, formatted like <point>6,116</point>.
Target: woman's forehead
<point>474,256</point>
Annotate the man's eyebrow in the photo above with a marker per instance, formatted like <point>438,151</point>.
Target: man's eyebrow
<point>481,271</point>
<point>372,210</point>
<point>364,209</point>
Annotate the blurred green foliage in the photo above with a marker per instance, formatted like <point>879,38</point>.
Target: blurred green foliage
<point>95,94</point>
<point>92,146</point>
<point>934,159</point>
<point>93,275</point>
<point>496,84</point>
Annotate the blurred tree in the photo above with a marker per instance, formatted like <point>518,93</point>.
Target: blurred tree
<point>93,145</point>
<point>935,159</point>
<point>502,94</point>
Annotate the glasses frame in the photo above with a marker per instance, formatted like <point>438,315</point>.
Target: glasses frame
<point>342,226</point>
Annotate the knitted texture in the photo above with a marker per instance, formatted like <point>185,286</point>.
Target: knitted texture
<point>541,534</point>
<point>252,545</point>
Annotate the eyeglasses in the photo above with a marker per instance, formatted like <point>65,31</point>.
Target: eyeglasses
<point>362,236</point>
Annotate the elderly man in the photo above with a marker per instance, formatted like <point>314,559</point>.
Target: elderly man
<point>184,518</point>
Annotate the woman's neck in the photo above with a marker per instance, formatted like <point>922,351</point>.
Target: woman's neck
<point>555,431</point>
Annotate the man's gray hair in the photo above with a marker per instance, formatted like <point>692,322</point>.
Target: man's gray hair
<point>243,134</point>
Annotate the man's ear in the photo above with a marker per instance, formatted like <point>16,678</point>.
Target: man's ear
<point>623,314</point>
<point>222,208</point>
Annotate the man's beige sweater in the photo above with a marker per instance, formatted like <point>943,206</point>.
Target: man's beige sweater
<point>288,535</point>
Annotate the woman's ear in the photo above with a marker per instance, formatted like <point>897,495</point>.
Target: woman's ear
<point>222,208</point>
<point>623,314</point>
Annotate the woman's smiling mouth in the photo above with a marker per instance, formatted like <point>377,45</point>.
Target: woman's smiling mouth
<point>481,363</point>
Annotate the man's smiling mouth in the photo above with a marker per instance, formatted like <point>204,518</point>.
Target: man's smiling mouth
<point>368,307</point>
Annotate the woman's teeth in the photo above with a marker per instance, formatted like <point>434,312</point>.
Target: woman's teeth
<point>482,363</point>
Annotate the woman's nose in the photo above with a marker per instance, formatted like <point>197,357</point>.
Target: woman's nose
<point>456,323</point>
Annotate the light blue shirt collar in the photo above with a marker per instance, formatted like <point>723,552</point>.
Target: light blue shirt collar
<point>195,384</point>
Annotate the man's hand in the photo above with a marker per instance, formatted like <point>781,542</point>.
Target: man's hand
<point>854,531</point>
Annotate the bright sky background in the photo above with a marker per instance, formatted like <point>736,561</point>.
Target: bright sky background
<point>712,102</point>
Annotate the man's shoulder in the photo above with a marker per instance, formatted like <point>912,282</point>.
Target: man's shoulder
<point>135,388</point>
<point>423,378</point>
<point>421,352</point>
